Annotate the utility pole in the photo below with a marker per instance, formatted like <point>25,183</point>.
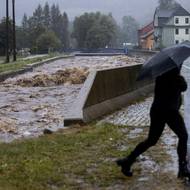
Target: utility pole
<point>7,31</point>
<point>14,31</point>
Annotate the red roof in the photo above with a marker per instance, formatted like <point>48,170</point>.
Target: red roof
<point>147,29</point>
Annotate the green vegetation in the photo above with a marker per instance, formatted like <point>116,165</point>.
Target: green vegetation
<point>94,30</point>
<point>48,20</point>
<point>21,63</point>
<point>45,20</point>
<point>129,30</point>
<point>3,34</point>
<point>48,41</point>
<point>90,30</point>
<point>74,158</point>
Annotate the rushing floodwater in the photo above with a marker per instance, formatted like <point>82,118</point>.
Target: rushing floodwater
<point>26,110</point>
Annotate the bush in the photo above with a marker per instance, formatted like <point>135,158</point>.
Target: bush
<point>48,41</point>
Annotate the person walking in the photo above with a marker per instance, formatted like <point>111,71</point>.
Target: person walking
<point>164,110</point>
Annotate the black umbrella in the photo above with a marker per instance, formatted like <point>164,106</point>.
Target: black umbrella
<point>165,60</point>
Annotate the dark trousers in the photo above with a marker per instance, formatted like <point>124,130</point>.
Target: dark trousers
<point>158,120</point>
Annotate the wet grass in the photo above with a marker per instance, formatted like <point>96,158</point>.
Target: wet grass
<point>21,63</point>
<point>76,158</point>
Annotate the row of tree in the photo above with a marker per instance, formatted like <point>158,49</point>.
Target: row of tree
<point>49,29</point>
<point>47,25</point>
<point>3,36</point>
<point>93,30</point>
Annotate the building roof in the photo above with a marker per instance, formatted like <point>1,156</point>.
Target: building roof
<point>146,30</point>
<point>165,14</point>
<point>180,11</point>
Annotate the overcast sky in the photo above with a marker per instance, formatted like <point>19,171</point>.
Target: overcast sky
<point>142,10</point>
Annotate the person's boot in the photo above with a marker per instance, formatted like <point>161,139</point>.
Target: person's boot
<point>183,170</point>
<point>125,165</point>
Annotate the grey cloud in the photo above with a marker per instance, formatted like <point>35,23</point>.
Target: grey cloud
<point>142,10</point>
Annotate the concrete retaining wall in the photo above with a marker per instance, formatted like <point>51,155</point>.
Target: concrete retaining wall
<point>106,91</point>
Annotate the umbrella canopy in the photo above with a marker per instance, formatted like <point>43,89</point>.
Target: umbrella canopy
<point>165,60</point>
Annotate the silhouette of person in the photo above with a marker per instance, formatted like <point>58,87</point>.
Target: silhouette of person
<point>164,110</point>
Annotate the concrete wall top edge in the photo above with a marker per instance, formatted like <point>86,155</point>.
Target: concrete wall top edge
<point>119,67</point>
<point>110,83</point>
<point>77,107</point>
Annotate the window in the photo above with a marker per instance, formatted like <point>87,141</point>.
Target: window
<point>186,20</point>
<point>177,41</point>
<point>176,31</point>
<point>177,20</point>
<point>187,31</point>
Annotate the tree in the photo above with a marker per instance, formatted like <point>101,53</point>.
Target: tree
<point>47,16</point>
<point>129,29</point>
<point>3,34</point>
<point>47,41</point>
<point>94,30</point>
<point>60,25</point>
<point>56,20</point>
<point>35,30</point>
<point>96,37</point>
<point>65,34</point>
<point>101,33</point>
<point>43,20</point>
<point>23,33</point>
<point>167,4</point>
<point>81,26</point>
<point>38,16</point>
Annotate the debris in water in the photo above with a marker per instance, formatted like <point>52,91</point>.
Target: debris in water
<point>69,75</point>
<point>7,125</point>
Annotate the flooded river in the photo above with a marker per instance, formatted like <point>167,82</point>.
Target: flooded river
<point>28,108</point>
<point>35,101</point>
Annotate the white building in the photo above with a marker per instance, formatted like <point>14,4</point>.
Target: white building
<point>171,26</point>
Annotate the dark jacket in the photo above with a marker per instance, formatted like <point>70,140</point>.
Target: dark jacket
<point>168,90</point>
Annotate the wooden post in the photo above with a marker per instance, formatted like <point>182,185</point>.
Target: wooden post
<point>14,31</point>
<point>7,31</point>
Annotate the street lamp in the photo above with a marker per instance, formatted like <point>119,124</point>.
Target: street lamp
<point>14,31</point>
<point>7,31</point>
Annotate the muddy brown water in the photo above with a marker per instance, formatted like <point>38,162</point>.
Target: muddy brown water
<point>27,109</point>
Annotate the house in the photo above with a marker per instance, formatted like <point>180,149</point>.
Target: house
<point>171,26</point>
<point>146,36</point>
